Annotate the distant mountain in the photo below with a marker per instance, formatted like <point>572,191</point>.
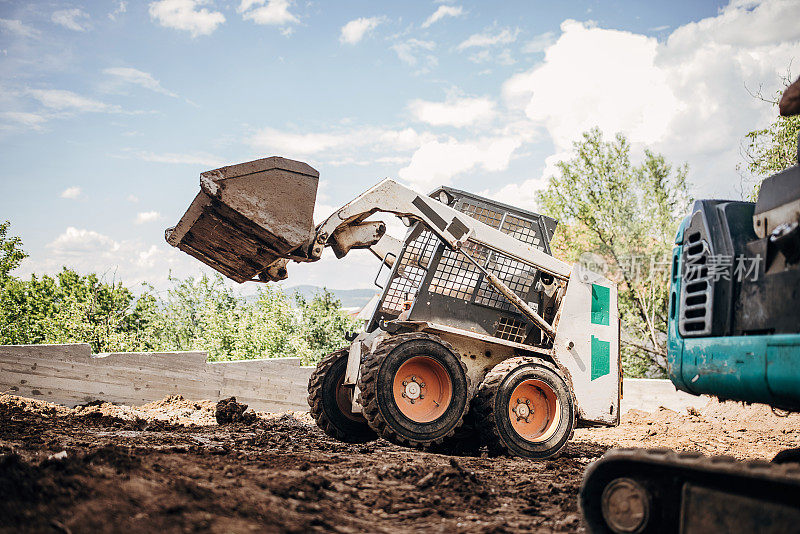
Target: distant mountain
<point>351,298</point>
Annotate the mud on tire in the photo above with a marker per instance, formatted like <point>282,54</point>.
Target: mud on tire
<point>383,384</point>
<point>550,408</point>
<point>329,403</point>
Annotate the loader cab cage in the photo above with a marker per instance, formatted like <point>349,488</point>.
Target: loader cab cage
<point>445,288</point>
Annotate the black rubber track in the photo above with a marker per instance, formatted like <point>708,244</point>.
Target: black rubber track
<point>368,398</point>
<point>485,400</point>
<point>666,474</point>
<point>324,408</point>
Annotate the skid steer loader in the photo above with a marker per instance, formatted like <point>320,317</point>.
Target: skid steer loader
<point>479,331</point>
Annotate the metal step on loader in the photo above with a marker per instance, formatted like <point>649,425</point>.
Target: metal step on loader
<point>478,335</point>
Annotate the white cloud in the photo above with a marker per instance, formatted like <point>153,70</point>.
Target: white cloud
<point>685,97</point>
<point>130,261</point>
<point>17,27</point>
<point>186,15</point>
<point>144,217</point>
<point>522,195</point>
<point>68,101</point>
<point>456,111</point>
<point>482,56</point>
<point>273,141</point>
<point>74,242</point>
<point>442,12</point>
<point>73,19</point>
<point>205,160</point>
<point>539,43</point>
<point>121,8</point>
<point>288,143</point>
<point>504,57</point>
<point>742,23</point>
<point>22,119</point>
<point>71,192</point>
<point>489,37</point>
<point>579,86</point>
<point>436,162</point>
<point>275,13</point>
<point>128,75</point>
<point>355,30</point>
<point>412,52</point>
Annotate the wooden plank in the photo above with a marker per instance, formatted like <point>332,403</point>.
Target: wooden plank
<point>70,375</point>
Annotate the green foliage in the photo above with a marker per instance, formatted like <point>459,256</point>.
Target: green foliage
<point>626,215</point>
<point>771,149</point>
<point>193,314</point>
<point>67,308</point>
<point>11,253</point>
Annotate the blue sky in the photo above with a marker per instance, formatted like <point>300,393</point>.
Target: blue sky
<point>109,110</point>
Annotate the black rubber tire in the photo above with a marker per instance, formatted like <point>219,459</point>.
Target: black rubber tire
<point>324,408</point>
<point>787,456</point>
<point>375,382</point>
<point>493,397</point>
<point>465,441</point>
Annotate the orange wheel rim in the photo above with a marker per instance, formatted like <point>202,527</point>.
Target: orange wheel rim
<point>422,389</point>
<point>344,399</point>
<point>534,410</point>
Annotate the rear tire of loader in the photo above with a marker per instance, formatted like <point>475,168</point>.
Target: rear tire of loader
<point>415,390</point>
<point>330,401</point>
<point>525,408</point>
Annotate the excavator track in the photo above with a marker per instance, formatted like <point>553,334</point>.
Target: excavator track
<point>660,491</point>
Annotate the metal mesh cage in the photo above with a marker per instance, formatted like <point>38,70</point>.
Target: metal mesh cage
<point>410,273</point>
<point>456,277</point>
<point>523,230</point>
<point>483,214</point>
<point>516,275</point>
<point>510,329</point>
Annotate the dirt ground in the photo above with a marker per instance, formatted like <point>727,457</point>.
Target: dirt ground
<point>169,467</point>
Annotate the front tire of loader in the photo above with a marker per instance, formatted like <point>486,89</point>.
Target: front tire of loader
<point>415,390</point>
<point>330,401</point>
<point>525,408</point>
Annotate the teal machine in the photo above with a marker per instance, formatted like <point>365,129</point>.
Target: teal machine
<point>734,333</point>
<point>734,311</point>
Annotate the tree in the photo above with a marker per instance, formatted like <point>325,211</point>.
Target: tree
<point>324,322</point>
<point>193,314</point>
<point>11,253</point>
<point>771,149</point>
<point>626,215</point>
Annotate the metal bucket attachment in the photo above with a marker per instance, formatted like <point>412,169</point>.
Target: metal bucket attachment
<point>248,217</point>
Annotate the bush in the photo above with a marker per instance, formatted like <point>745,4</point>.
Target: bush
<point>194,314</point>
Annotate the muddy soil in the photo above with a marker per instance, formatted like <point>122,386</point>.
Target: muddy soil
<point>169,467</point>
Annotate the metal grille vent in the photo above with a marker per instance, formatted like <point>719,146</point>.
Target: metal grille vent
<point>697,288</point>
<point>527,231</point>
<point>410,272</point>
<point>510,329</point>
<point>516,275</point>
<point>457,278</point>
<point>523,230</point>
<point>485,215</point>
